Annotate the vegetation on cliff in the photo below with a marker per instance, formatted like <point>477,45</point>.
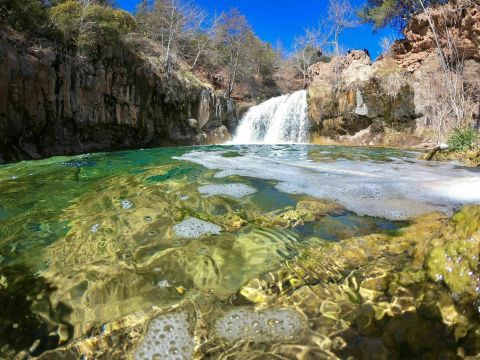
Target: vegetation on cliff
<point>223,50</point>
<point>423,88</point>
<point>382,13</point>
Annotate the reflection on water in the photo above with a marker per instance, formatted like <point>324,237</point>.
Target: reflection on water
<point>93,247</point>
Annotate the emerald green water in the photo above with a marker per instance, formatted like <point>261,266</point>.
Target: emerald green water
<point>86,240</point>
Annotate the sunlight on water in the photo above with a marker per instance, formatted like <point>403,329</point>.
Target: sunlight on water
<point>101,243</point>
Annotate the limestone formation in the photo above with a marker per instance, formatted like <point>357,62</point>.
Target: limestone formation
<point>387,102</point>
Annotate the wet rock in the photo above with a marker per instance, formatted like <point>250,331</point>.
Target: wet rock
<point>58,103</point>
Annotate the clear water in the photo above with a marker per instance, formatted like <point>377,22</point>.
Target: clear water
<point>87,240</point>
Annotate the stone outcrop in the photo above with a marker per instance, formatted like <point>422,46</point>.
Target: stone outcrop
<point>390,101</point>
<point>461,19</point>
<point>349,95</point>
<point>54,102</point>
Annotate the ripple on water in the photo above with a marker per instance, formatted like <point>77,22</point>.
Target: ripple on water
<point>168,337</point>
<point>236,191</point>
<point>193,228</point>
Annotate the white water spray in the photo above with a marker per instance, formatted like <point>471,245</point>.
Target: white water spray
<point>279,120</point>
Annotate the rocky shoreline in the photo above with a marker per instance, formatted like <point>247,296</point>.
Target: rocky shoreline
<point>53,102</point>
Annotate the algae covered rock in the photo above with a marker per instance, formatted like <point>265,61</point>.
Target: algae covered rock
<point>455,253</point>
<point>305,211</point>
<point>380,293</point>
<point>364,297</point>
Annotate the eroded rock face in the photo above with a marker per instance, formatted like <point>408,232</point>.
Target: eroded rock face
<point>350,94</point>
<point>390,101</point>
<point>461,18</point>
<point>53,102</point>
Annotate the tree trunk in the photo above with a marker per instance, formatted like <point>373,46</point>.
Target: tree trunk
<point>170,37</point>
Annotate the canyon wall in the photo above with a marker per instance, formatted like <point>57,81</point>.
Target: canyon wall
<point>54,102</point>
<point>388,102</point>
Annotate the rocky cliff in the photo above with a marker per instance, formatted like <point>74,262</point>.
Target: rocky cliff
<point>389,101</point>
<point>55,102</point>
<point>349,100</point>
<point>461,18</point>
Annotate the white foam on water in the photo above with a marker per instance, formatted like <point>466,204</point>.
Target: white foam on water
<point>126,204</point>
<point>167,338</point>
<point>259,326</point>
<point>395,190</point>
<point>236,191</point>
<point>193,228</point>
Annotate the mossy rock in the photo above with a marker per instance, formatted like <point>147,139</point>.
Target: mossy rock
<point>305,211</point>
<point>454,256</point>
<point>379,292</point>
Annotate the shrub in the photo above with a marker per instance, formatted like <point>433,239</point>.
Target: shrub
<point>24,15</point>
<point>66,18</point>
<point>462,139</point>
<point>92,28</point>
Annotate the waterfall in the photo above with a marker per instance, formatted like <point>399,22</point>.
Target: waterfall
<point>282,119</point>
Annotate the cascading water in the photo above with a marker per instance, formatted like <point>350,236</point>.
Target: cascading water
<point>279,120</point>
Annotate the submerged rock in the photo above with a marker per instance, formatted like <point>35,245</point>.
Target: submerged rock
<point>410,293</point>
<point>305,211</point>
<point>372,296</point>
<point>454,257</point>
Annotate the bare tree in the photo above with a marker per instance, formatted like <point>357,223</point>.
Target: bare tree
<point>324,38</point>
<point>386,44</point>
<point>451,105</point>
<point>341,16</point>
<point>232,35</point>
<point>203,41</point>
<point>170,22</point>
<point>308,50</point>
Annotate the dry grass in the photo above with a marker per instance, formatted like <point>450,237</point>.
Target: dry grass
<point>449,105</point>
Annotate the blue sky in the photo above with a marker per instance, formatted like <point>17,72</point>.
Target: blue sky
<point>275,20</point>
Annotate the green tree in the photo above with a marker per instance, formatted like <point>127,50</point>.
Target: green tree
<point>91,27</point>
<point>381,13</point>
<point>262,56</point>
<point>23,15</point>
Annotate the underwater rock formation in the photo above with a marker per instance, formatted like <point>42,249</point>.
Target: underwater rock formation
<point>373,296</point>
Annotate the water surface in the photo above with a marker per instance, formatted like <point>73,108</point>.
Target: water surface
<point>87,240</point>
